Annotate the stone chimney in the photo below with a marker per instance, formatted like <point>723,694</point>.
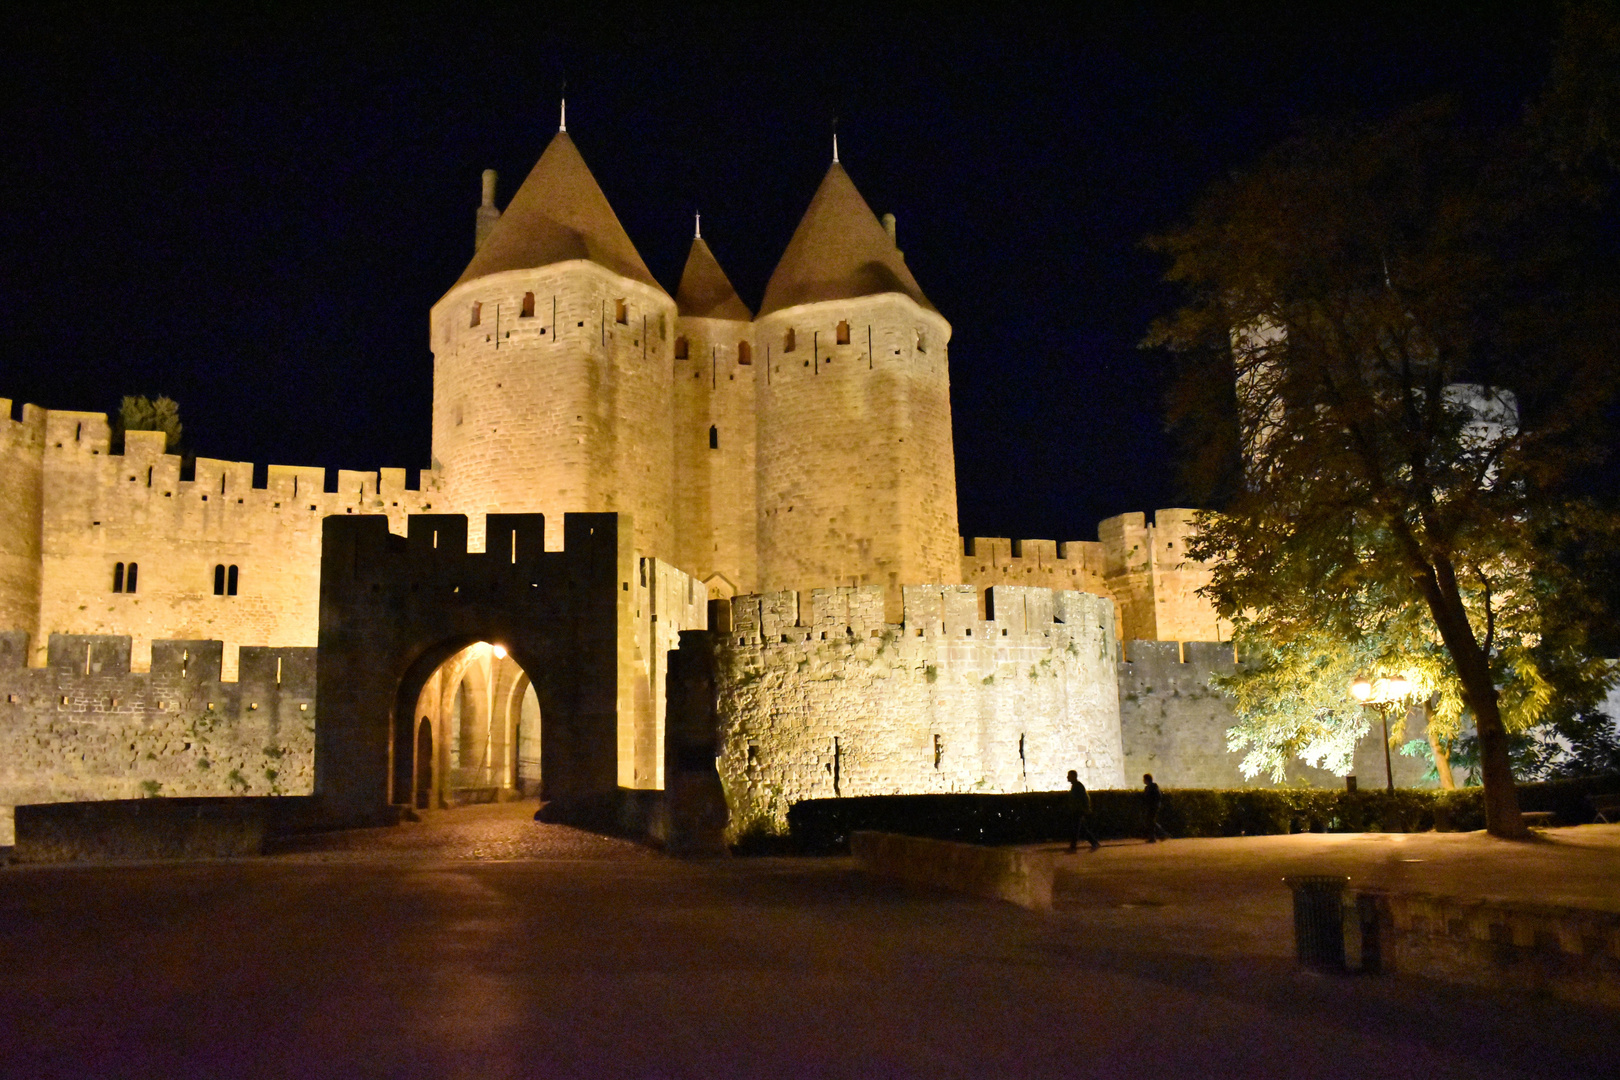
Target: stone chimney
<point>487,214</point>
<point>888,227</point>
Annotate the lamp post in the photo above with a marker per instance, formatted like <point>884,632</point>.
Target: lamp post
<point>1381,694</point>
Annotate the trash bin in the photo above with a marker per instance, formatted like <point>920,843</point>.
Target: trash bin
<point>1319,920</point>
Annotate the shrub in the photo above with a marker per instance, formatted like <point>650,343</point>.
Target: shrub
<point>823,825</point>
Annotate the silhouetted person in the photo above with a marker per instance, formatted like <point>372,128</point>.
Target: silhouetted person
<point>1151,799</point>
<point>1079,811</point>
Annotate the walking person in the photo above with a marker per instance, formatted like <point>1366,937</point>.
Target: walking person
<point>1151,798</point>
<point>1079,811</point>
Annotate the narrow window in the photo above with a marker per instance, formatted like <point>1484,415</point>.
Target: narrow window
<point>922,342</point>
<point>621,312</point>
<point>118,577</point>
<point>843,333</point>
<point>680,348</point>
<point>714,437</point>
<point>787,340</point>
<point>149,476</point>
<point>939,750</point>
<point>219,579</point>
<point>230,582</point>
<point>477,313</point>
<point>528,306</point>
<point>129,578</point>
<point>745,353</point>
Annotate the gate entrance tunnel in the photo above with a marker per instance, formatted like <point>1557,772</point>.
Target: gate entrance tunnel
<point>473,736</point>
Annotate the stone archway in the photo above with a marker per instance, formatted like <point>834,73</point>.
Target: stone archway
<point>485,718</point>
<point>394,609</point>
<point>590,625</point>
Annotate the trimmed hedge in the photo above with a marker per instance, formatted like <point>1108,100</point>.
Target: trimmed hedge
<point>823,826</point>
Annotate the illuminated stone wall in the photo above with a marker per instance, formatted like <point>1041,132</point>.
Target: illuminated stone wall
<point>819,696</point>
<point>84,727</point>
<point>714,446</point>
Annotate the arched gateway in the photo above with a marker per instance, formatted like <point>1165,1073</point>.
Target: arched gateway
<point>587,628</point>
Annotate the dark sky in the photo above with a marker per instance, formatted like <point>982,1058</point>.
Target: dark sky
<point>253,213</point>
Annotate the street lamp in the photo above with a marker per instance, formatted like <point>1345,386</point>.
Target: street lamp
<point>1381,694</point>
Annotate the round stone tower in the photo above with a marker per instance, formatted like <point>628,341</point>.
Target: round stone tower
<point>551,371</point>
<point>856,474</point>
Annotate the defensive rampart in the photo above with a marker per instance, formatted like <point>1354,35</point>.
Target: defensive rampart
<point>819,696</point>
<point>221,550</point>
<point>84,727</point>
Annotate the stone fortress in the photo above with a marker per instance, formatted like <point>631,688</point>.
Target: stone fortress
<point>794,464</point>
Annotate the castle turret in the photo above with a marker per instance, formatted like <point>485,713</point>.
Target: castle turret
<point>714,427</point>
<point>551,375</point>
<point>857,482</point>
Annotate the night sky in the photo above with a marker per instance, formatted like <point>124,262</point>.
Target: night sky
<point>253,213</point>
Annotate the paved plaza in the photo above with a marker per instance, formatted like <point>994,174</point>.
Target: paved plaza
<point>481,944</point>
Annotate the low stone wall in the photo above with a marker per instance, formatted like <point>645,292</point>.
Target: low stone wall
<point>1568,953</point>
<point>142,829</point>
<point>1017,875</point>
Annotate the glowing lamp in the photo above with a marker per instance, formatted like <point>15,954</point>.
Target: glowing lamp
<point>1361,689</point>
<point>500,652</point>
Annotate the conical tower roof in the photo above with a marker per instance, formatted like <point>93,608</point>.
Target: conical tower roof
<point>558,214</point>
<point>839,251</point>
<point>705,292</point>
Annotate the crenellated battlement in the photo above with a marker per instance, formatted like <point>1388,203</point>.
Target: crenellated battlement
<point>928,611</point>
<point>1141,565</point>
<point>68,437</point>
<point>86,727</point>
<point>21,422</point>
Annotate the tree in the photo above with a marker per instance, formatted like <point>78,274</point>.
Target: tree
<point>1291,697</point>
<point>1397,359</point>
<point>150,414</point>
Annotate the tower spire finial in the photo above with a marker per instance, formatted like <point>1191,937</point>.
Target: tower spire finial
<point>697,226</point>
<point>562,98</point>
<point>835,139</point>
